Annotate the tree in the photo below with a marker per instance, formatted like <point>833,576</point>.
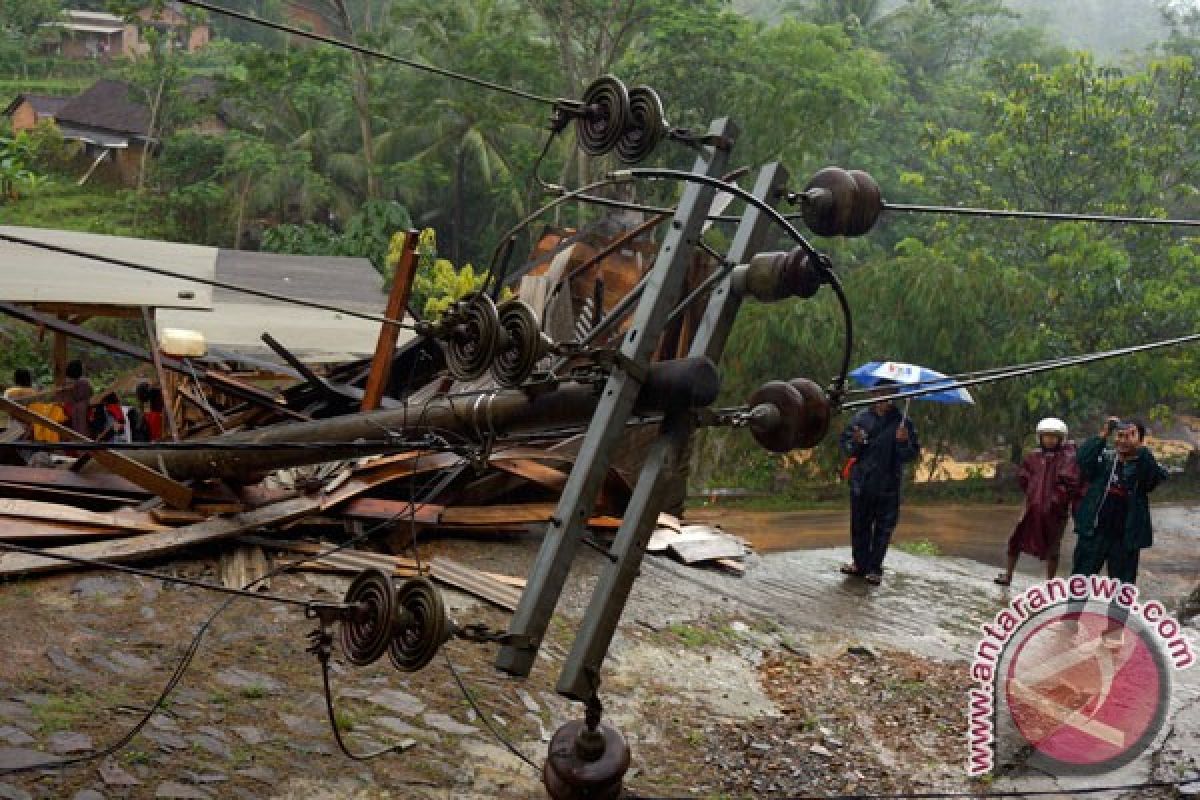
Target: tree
<point>1080,138</point>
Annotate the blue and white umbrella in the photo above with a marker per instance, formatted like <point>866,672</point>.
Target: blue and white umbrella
<point>871,373</point>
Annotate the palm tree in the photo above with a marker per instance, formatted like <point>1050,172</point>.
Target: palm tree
<point>453,139</point>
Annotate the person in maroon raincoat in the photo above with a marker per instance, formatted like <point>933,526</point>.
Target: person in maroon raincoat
<point>1049,477</point>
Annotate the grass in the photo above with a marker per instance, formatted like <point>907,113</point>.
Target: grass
<point>63,87</point>
<point>61,712</point>
<point>345,721</point>
<point>93,208</point>
<point>919,547</point>
<point>694,637</point>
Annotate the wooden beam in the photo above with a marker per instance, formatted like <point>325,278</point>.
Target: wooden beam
<point>173,492</point>
<point>152,545</point>
<point>385,347</point>
<point>377,508</point>
<point>60,359</point>
<point>44,477</point>
<point>49,493</point>
<point>55,512</point>
<point>164,386</point>
<point>25,530</point>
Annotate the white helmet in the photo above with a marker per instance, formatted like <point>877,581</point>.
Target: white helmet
<point>1052,425</point>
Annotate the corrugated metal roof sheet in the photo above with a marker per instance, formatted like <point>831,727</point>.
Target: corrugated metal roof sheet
<point>238,321</point>
<point>31,275</point>
<point>352,283</point>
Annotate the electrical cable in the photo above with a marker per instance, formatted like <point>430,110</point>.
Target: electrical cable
<point>367,51</point>
<point>1055,216</point>
<point>505,242</point>
<point>158,576</point>
<point>512,748</point>
<point>820,260</point>
<point>1019,371</point>
<point>626,205</point>
<point>943,381</point>
<point>219,284</point>
<point>189,654</point>
<point>367,446</point>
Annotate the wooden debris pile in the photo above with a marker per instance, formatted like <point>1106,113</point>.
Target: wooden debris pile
<point>108,506</point>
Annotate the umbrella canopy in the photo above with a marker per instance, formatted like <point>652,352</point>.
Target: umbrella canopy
<point>871,373</point>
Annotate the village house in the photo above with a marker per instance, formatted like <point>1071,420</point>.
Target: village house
<point>113,124</point>
<point>104,37</point>
<point>27,110</point>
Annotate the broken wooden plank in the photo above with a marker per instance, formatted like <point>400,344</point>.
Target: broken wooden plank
<point>475,582</point>
<point>27,530</point>
<point>511,515</point>
<point>533,471</point>
<point>48,493</point>
<point>151,545</point>
<point>398,510</point>
<point>376,476</point>
<point>173,492</point>
<point>55,512</point>
<point>67,480</point>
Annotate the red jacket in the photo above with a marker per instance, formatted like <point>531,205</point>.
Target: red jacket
<point>1050,479</point>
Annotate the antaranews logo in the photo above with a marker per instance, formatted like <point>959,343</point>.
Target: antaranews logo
<point>1074,676</point>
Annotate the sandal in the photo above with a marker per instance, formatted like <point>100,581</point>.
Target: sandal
<point>1001,580</point>
<point>874,579</point>
<point>851,569</point>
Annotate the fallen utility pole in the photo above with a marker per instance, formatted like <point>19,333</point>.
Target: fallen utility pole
<point>477,417</point>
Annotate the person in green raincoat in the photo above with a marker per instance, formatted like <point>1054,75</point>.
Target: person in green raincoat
<point>1113,519</point>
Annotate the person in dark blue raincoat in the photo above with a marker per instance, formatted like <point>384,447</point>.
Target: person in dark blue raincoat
<point>1113,520</point>
<point>879,441</point>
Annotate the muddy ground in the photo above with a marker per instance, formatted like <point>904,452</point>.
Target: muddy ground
<point>792,680</point>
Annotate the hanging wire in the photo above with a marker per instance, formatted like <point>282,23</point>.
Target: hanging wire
<point>820,260</point>
<point>193,647</point>
<point>367,51</point>
<point>219,284</point>
<point>1056,216</point>
<point>504,246</point>
<point>1020,371</point>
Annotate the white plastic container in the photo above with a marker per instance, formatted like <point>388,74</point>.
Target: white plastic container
<point>182,343</point>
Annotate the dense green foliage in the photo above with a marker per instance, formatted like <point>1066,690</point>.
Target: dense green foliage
<point>957,102</point>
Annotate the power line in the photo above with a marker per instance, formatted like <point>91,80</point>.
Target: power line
<point>219,284</point>
<point>1019,371</point>
<point>367,51</point>
<point>1057,216</point>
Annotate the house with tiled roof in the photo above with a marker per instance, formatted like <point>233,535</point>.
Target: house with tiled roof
<point>28,109</point>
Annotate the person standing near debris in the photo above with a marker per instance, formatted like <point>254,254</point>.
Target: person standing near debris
<point>1049,476</point>
<point>76,398</point>
<point>1113,520</point>
<point>879,441</point>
